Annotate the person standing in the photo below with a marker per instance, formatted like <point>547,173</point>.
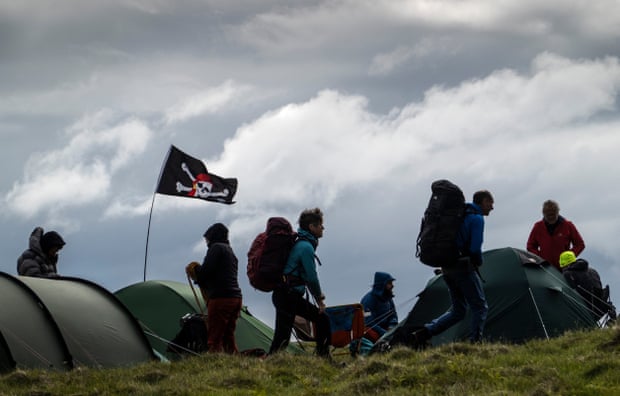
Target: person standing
<point>553,235</point>
<point>41,257</point>
<point>379,308</point>
<point>300,274</point>
<point>217,277</point>
<point>463,280</point>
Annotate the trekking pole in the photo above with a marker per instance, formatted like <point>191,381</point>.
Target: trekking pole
<point>190,270</point>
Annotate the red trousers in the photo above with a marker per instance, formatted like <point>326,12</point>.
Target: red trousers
<point>222,315</point>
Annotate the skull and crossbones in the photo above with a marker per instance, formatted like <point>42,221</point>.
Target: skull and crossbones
<point>201,185</point>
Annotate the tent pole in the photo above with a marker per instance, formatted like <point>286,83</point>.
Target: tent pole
<point>538,313</point>
<point>148,231</point>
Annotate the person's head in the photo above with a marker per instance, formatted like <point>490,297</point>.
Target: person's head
<point>385,280</point>
<point>567,258</point>
<point>484,199</point>
<point>551,211</point>
<point>51,242</point>
<point>216,233</point>
<point>311,220</point>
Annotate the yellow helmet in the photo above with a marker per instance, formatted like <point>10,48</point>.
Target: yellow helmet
<point>567,258</point>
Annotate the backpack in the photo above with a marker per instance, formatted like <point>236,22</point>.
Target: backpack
<point>268,254</point>
<point>192,337</point>
<point>436,245</point>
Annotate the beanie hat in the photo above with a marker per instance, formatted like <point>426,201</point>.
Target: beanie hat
<point>51,239</point>
<point>567,258</point>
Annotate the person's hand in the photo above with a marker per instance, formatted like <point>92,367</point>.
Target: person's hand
<point>321,303</point>
<point>190,270</point>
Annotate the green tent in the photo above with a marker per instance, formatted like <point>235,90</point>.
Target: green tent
<point>527,298</point>
<point>66,322</point>
<point>159,305</point>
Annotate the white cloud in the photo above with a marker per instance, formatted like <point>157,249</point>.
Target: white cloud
<point>332,143</point>
<point>209,101</point>
<point>81,172</point>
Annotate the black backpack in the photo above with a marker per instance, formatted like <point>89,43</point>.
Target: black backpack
<point>436,245</point>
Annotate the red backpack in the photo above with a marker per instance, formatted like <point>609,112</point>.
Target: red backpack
<point>268,254</point>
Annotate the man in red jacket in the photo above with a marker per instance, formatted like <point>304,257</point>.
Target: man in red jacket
<point>553,235</point>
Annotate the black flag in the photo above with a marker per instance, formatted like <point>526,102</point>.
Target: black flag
<point>186,176</point>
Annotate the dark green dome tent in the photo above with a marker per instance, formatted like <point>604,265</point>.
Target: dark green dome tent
<point>527,298</point>
<point>159,305</point>
<point>67,322</point>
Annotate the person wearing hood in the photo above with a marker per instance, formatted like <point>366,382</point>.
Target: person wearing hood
<point>587,282</point>
<point>300,273</point>
<point>41,257</point>
<point>553,235</point>
<point>379,309</point>
<point>217,277</point>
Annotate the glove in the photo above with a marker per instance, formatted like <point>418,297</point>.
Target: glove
<point>191,270</point>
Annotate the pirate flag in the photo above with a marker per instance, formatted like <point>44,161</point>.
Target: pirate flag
<point>186,176</point>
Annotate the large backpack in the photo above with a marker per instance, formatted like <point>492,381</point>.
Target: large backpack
<point>268,254</point>
<point>436,245</point>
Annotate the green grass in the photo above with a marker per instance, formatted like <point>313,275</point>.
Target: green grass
<point>578,363</point>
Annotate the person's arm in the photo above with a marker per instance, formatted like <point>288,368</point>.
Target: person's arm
<point>532,241</point>
<point>209,264</point>
<point>306,258</point>
<point>394,316</point>
<point>30,267</point>
<point>476,237</point>
<point>576,240</point>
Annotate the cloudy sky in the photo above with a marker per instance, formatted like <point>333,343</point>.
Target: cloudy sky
<point>353,106</point>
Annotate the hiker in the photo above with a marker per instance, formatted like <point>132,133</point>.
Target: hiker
<point>41,257</point>
<point>463,279</point>
<point>217,277</point>
<point>587,282</point>
<point>379,309</point>
<point>554,234</point>
<point>300,274</point>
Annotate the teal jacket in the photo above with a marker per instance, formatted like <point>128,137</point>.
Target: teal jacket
<point>301,264</point>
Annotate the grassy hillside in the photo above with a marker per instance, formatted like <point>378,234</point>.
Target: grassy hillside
<point>578,363</point>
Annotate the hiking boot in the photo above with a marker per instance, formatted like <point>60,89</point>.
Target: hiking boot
<point>420,338</point>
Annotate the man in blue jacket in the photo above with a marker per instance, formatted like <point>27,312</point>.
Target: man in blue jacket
<point>463,280</point>
<point>300,273</point>
<point>379,309</point>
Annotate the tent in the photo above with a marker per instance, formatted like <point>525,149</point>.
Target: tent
<point>159,305</point>
<point>66,322</point>
<point>527,298</point>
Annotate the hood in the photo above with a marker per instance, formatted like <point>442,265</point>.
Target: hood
<point>304,234</point>
<point>216,233</point>
<point>578,265</point>
<point>34,243</point>
<point>381,279</point>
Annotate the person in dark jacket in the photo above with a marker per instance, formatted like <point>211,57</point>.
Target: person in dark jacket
<point>217,277</point>
<point>41,257</point>
<point>379,309</point>
<point>587,282</point>
<point>300,270</point>
<point>463,281</point>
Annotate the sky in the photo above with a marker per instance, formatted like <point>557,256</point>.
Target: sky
<point>352,106</point>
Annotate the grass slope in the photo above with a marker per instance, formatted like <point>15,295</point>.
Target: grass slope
<point>578,363</point>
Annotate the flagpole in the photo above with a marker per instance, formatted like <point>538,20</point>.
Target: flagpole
<point>148,231</point>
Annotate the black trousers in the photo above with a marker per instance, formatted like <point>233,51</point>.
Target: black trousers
<point>289,304</point>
